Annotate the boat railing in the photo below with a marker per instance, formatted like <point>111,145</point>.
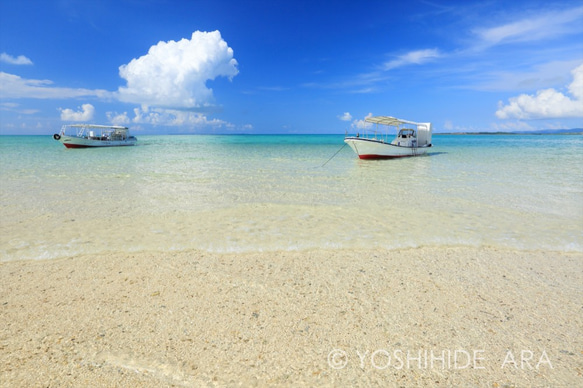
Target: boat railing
<point>95,132</point>
<point>76,131</point>
<point>389,134</point>
<point>384,135</point>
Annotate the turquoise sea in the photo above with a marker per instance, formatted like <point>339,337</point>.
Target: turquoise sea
<point>240,193</point>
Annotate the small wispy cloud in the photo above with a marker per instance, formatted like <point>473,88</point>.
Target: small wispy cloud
<point>371,82</point>
<point>412,58</point>
<point>358,84</point>
<point>19,60</point>
<point>272,88</point>
<point>541,26</point>
<point>14,107</point>
<point>522,78</point>
<point>13,86</point>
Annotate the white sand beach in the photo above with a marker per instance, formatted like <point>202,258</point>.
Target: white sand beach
<point>416,317</point>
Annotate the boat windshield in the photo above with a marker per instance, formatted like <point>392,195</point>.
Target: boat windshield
<point>406,133</point>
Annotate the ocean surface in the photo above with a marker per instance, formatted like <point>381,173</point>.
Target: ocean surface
<point>268,193</point>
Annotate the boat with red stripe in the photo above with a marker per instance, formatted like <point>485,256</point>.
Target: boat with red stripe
<point>376,141</point>
<point>92,135</point>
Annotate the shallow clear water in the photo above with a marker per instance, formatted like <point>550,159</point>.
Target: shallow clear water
<point>263,193</point>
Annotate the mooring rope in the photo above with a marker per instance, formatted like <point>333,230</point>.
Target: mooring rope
<point>334,154</point>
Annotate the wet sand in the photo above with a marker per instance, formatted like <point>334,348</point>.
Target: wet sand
<point>416,317</point>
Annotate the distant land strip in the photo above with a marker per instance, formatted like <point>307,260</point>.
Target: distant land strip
<point>574,131</point>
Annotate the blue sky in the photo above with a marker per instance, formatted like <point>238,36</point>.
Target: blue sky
<point>289,66</point>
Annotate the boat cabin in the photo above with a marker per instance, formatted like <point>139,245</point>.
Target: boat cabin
<point>406,133</point>
<point>407,137</point>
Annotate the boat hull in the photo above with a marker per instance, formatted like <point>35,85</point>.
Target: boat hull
<point>376,149</point>
<point>78,142</point>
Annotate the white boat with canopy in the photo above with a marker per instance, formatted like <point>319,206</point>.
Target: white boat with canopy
<point>91,135</point>
<point>413,139</point>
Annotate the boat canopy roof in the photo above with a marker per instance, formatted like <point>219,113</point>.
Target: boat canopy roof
<point>423,131</point>
<point>388,120</point>
<point>95,126</point>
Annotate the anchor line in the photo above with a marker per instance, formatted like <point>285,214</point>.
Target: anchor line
<point>334,155</point>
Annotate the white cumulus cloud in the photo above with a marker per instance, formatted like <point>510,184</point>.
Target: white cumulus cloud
<point>84,114</point>
<point>118,118</point>
<point>168,117</point>
<point>362,124</point>
<point>19,60</point>
<point>346,116</point>
<point>172,117</point>
<point>547,103</point>
<point>174,74</point>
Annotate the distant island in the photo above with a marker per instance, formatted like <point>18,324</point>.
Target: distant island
<point>573,131</point>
